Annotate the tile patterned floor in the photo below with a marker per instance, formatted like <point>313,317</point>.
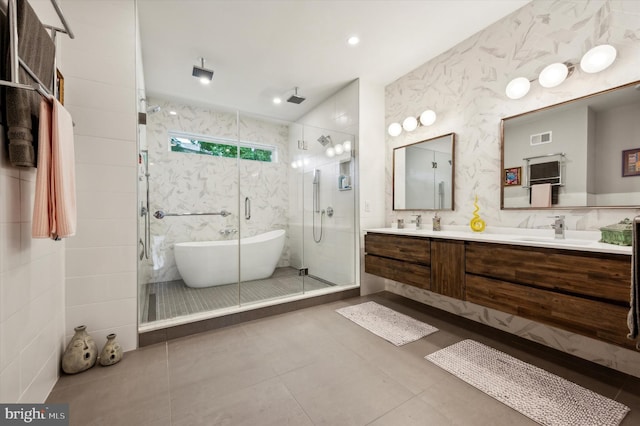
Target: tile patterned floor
<point>173,299</point>
<point>315,367</point>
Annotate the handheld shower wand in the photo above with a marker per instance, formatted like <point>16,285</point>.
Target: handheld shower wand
<point>316,191</point>
<point>316,205</point>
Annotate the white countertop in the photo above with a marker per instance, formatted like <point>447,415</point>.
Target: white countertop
<point>574,240</point>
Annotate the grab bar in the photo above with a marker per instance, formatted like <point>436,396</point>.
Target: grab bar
<point>247,208</point>
<point>159,214</point>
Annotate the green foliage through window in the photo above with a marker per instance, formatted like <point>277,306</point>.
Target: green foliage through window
<point>222,149</point>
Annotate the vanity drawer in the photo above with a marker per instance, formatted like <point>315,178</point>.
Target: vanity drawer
<point>407,249</point>
<point>595,275</point>
<point>404,272</point>
<point>591,318</point>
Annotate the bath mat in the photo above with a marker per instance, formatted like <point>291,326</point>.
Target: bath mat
<point>392,326</point>
<point>534,392</point>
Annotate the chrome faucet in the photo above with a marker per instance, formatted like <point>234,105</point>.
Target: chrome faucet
<point>558,226</point>
<point>418,221</point>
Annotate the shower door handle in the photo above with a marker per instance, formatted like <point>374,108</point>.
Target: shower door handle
<point>247,208</point>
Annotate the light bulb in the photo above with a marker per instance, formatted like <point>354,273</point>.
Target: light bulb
<point>410,124</point>
<point>598,58</point>
<point>552,75</point>
<point>517,88</point>
<point>339,149</point>
<point>353,40</point>
<point>205,81</point>
<point>277,101</point>
<point>428,117</point>
<point>330,152</point>
<point>394,129</point>
<point>347,145</point>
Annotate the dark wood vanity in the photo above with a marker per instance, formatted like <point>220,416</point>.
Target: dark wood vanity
<point>582,292</point>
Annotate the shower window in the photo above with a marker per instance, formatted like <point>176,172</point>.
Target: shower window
<point>221,148</point>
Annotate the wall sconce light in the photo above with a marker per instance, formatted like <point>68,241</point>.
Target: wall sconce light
<point>427,118</point>
<point>595,60</point>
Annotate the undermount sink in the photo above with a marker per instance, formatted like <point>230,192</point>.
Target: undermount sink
<point>571,242</point>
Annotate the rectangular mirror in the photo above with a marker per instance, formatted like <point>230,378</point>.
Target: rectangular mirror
<point>423,174</point>
<point>578,153</point>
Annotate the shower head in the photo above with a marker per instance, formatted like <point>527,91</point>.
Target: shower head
<point>324,140</point>
<point>204,74</point>
<point>295,99</point>
<point>153,109</point>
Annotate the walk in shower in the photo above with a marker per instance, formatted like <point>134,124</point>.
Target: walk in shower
<point>239,211</point>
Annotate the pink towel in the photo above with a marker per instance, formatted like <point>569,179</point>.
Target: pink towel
<point>541,195</point>
<point>54,212</point>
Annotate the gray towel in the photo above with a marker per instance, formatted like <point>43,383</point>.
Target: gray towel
<point>37,50</point>
<point>633,320</point>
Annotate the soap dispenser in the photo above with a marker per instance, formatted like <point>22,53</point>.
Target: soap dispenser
<point>436,223</point>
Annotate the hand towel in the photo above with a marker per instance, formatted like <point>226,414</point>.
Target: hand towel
<point>541,195</point>
<point>633,319</point>
<point>42,213</point>
<point>37,50</point>
<point>63,172</point>
<point>55,212</point>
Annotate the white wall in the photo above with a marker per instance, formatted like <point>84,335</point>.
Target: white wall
<point>31,283</point>
<point>465,86</point>
<point>100,82</point>
<point>370,187</point>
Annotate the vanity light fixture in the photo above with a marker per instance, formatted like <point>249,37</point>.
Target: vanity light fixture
<point>205,75</point>
<point>428,117</point>
<point>518,87</point>
<point>394,129</point>
<point>409,124</point>
<point>598,58</point>
<point>553,75</point>
<point>595,60</point>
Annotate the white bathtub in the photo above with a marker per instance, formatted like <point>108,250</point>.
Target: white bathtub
<point>211,263</point>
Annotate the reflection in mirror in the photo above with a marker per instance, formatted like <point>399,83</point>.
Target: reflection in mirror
<point>571,154</point>
<point>423,174</point>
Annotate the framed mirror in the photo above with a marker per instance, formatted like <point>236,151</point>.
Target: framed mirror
<point>423,174</point>
<point>580,153</point>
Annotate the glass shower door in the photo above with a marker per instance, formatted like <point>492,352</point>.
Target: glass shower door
<point>268,239</point>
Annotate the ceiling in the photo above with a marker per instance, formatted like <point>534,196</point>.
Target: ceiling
<point>262,48</point>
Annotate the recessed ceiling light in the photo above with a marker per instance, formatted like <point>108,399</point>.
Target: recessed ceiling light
<point>353,40</point>
<point>277,101</point>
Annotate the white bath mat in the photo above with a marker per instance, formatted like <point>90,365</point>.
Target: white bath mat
<point>534,392</point>
<point>393,326</point>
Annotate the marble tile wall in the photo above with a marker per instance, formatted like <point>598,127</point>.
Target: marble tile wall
<point>465,86</point>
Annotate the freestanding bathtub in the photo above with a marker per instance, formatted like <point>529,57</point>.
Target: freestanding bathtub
<point>211,263</point>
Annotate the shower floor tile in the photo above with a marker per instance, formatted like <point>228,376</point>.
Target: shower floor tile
<point>171,299</point>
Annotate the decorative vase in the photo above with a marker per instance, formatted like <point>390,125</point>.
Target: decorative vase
<point>111,352</point>
<point>81,352</point>
<point>477,224</point>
